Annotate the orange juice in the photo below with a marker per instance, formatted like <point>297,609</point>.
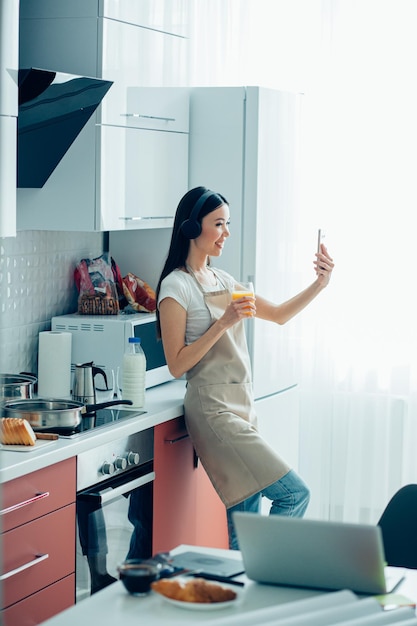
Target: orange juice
<point>242,294</point>
<point>243,290</point>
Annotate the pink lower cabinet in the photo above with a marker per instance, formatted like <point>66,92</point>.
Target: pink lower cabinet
<point>186,508</point>
<point>42,605</point>
<point>38,545</point>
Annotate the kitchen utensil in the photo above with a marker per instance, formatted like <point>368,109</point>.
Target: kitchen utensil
<point>220,579</point>
<point>14,386</point>
<point>46,413</point>
<point>84,375</point>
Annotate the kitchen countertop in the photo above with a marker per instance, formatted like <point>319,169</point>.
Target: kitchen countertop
<point>162,403</point>
<point>257,603</point>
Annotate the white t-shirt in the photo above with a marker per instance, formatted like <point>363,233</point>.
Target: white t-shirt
<point>183,288</point>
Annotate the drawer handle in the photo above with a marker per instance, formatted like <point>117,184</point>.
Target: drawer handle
<point>39,558</point>
<point>149,117</point>
<point>14,507</point>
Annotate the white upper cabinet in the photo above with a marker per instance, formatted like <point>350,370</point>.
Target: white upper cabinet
<point>128,167</point>
<point>168,16</point>
<point>9,54</point>
<point>142,187</point>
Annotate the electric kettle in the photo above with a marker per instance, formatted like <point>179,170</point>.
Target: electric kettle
<point>83,388</point>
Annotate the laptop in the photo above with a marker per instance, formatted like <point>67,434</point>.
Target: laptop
<point>312,553</point>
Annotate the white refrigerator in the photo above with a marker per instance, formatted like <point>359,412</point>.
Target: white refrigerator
<point>244,145</point>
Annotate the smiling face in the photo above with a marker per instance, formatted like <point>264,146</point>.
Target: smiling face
<point>214,230</point>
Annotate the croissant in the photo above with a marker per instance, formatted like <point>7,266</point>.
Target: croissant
<point>194,590</point>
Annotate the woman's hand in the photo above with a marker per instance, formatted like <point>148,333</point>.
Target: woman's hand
<point>239,310</point>
<point>324,266</point>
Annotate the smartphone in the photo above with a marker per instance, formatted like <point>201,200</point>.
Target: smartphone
<point>320,237</point>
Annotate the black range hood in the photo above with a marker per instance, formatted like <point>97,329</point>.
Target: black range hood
<point>53,109</point>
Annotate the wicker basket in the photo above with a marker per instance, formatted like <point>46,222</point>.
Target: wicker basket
<point>97,305</point>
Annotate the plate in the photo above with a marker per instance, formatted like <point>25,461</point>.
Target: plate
<point>202,606</point>
<point>199,606</point>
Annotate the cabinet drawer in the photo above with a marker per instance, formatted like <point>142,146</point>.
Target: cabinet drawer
<point>159,108</point>
<point>38,493</point>
<point>52,535</point>
<point>42,605</point>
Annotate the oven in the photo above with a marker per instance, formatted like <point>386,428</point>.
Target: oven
<point>114,505</point>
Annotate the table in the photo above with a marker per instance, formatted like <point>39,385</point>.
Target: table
<point>113,605</point>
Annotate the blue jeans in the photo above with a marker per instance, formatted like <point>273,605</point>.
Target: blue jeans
<point>289,496</point>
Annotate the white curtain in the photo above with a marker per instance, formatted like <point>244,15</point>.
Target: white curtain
<point>354,61</point>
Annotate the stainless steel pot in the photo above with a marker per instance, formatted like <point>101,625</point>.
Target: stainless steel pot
<point>14,386</point>
<point>45,413</point>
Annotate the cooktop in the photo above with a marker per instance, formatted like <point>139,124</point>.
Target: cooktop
<point>103,418</point>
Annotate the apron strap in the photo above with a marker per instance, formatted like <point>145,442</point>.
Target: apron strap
<point>200,286</point>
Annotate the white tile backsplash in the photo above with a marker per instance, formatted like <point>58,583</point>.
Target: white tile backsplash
<point>36,283</point>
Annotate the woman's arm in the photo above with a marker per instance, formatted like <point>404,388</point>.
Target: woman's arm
<point>282,313</point>
<point>173,317</point>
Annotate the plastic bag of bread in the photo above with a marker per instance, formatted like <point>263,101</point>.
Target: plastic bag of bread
<point>140,296</point>
<point>16,431</point>
<point>97,287</point>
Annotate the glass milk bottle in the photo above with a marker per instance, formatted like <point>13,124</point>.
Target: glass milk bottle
<point>134,372</point>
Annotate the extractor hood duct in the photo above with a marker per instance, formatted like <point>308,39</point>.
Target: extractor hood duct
<point>53,109</point>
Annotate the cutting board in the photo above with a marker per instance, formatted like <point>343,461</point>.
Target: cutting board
<point>39,443</point>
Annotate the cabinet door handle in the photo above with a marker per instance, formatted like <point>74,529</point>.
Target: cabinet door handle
<point>177,439</point>
<point>149,117</point>
<point>38,559</point>
<point>146,217</point>
<point>14,507</point>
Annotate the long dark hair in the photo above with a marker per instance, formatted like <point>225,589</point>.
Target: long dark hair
<point>180,244</point>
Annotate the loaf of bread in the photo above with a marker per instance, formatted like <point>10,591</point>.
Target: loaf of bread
<point>16,431</point>
<point>194,590</point>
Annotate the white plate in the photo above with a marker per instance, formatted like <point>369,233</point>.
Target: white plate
<point>203,606</point>
<point>200,606</point>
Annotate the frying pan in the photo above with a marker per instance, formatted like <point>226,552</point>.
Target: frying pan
<point>47,413</point>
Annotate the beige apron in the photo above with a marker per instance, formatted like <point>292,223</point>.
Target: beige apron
<point>220,414</point>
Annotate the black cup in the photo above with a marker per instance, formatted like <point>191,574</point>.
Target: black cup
<point>137,575</point>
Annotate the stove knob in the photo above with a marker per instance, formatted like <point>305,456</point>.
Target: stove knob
<point>120,463</point>
<point>132,458</point>
<point>107,468</point>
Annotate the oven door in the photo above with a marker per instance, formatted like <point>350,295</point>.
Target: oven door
<point>114,521</point>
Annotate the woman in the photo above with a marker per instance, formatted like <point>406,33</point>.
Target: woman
<point>203,336</point>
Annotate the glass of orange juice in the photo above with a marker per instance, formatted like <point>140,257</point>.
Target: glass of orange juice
<point>243,290</point>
